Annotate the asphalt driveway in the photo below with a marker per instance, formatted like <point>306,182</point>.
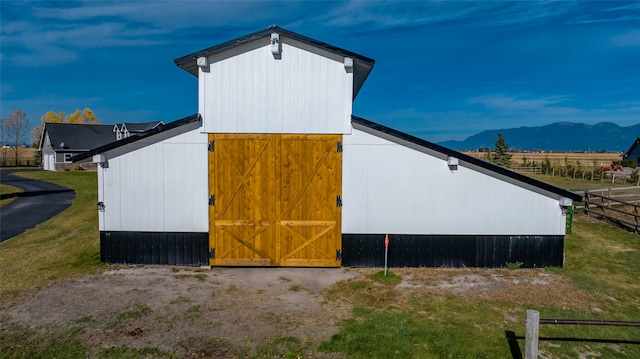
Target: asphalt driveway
<point>39,202</point>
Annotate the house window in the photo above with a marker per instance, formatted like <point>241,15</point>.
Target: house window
<point>67,157</point>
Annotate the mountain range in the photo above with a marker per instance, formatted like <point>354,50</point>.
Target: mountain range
<point>559,136</point>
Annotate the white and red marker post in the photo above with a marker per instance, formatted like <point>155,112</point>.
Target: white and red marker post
<point>386,253</point>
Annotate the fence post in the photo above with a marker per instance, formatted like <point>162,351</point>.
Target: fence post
<point>531,335</point>
<point>635,210</point>
<point>586,202</point>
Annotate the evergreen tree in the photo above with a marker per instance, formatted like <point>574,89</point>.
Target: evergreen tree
<point>500,155</point>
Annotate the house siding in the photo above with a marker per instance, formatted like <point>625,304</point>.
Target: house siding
<point>247,90</point>
<point>158,186</point>
<point>634,153</point>
<point>390,188</point>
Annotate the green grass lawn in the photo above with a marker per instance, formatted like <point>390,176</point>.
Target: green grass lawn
<point>577,184</point>
<point>600,280</point>
<point>8,194</point>
<point>63,247</point>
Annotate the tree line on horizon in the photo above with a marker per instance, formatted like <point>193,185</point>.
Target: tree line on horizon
<point>15,128</point>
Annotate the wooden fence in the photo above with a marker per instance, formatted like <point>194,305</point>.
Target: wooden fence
<point>527,169</point>
<point>617,205</point>
<point>19,163</point>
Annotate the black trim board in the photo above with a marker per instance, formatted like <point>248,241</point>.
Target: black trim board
<point>362,64</point>
<point>182,61</point>
<point>404,139</point>
<point>165,248</point>
<point>153,132</point>
<point>453,251</point>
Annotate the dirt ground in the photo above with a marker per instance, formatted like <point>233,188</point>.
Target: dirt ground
<point>212,313</point>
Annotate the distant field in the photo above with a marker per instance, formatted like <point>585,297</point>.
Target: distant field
<point>24,153</point>
<point>558,158</point>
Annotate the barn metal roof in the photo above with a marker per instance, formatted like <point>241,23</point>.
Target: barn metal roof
<point>77,137</point>
<point>633,146</point>
<point>472,162</point>
<point>153,132</point>
<point>362,64</point>
<point>138,127</point>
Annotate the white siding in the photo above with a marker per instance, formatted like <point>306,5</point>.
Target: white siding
<point>250,91</point>
<point>389,188</point>
<point>159,186</point>
<point>48,155</point>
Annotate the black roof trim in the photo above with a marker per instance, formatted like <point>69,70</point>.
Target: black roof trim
<point>461,156</point>
<point>265,32</point>
<point>131,139</point>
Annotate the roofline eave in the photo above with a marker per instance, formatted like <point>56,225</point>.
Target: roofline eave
<point>433,149</point>
<point>191,58</point>
<point>155,131</point>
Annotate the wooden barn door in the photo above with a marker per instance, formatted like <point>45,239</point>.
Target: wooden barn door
<point>275,200</point>
<point>310,206</point>
<point>242,207</point>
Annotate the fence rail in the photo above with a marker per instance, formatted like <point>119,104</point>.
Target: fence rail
<point>613,208</point>
<point>532,333</point>
<point>527,169</point>
<point>23,163</point>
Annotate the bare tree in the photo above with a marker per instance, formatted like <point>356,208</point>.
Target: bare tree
<point>4,138</point>
<point>17,127</point>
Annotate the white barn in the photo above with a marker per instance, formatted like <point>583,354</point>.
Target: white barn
<point>275,170</point>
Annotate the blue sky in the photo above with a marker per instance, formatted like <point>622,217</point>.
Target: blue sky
<point>444,69</point>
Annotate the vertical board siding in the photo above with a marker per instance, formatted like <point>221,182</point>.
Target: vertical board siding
<point>184,249</point>
<point>253,92</point>
<point>392,188</point>
<point>159,187</point>
<point>450,251</point>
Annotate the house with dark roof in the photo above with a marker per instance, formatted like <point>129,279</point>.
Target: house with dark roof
<point>61,141</point>
<point>633,153</point>
<point>275,170</point>
<point>124,130</point>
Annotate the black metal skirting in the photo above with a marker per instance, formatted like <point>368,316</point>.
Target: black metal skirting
<point>167,248</point>
<point>452,251</point>
<point>358,250</point>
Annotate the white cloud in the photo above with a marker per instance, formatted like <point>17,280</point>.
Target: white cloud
<point>502,102</point>
<point>380,15</point>
<point>59,32</point>
<point>43,55</point>
<point>171,15</point>
<point>629,39</point>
